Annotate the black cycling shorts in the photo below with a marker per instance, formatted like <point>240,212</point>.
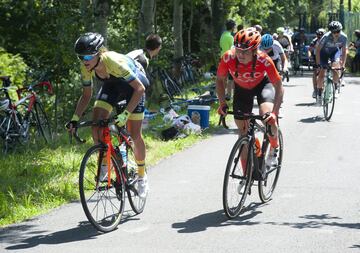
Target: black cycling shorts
<point>244,98</point>
<point>116,89</point>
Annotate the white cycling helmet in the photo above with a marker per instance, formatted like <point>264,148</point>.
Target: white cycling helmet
<point>4,104</point>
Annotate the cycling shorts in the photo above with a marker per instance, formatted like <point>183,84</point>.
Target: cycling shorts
<point>115,90</point>
<point>244,98</point>
<point>326,55</point>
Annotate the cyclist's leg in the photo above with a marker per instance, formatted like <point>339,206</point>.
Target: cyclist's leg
<point>243,101</point>
<point>135,129</point>
<point>265,98</point>
<point>324,57</point>
<point>336,64</point>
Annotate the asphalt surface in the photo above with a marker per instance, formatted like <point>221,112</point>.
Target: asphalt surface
<point>315,208</point>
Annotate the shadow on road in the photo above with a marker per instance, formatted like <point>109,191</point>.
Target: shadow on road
<point>217,219</point>
<point>317,221</point>
<point>306,104</point>
<point>21,239</point>
<point>312,119</point>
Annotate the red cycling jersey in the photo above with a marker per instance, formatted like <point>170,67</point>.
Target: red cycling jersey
<point>264,66</point>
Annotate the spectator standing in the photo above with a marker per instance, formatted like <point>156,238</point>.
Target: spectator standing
<point>226,43</point>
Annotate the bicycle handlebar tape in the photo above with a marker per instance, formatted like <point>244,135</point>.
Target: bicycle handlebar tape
<point>75,118</point>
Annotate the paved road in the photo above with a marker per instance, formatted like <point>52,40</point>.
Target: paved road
<point>316,207</point>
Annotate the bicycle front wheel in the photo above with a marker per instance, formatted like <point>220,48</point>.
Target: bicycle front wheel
<point>137,204</point>
<point>42,122</point>
<point>103,204</point>
<point>266,187</point>
<point>237,179</point>
<point>329,99</point>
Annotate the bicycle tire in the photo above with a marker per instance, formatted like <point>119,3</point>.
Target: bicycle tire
<point>267,187</point>
<point>137,204</point>
<point>12,134</point>
<point>328,99</point>
<point>42,122</point>
<point>95,195</point>
<point>240,182</point>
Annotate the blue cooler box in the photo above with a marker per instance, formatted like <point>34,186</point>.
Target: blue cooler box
<point>199,114</point>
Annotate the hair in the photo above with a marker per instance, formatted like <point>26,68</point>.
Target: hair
<point>152,42</point>
<point>230,24</point>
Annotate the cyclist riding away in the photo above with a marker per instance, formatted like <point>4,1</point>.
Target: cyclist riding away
<point>120,79</point>
<point>333,47</point>
<point>254,74</point>
<point>276,52</point>
<point>312,55</point>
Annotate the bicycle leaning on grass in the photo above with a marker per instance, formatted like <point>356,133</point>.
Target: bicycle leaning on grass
<point>249,161</point>
<point>103,200</point>
<point>21,115</point>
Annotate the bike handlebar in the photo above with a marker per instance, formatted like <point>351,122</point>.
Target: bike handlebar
<point>242,116</point>
<point>46,84</point>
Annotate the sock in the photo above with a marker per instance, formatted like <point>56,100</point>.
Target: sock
<point>141,167</point>
<point>274,143</point>
<point>319,92</point>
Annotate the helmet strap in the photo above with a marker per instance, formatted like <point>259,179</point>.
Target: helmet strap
<point>97,63</point>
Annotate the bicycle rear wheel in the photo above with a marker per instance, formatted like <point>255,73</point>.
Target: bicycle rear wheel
<point>329,99</point>
<point>237,179</point>
<point>43,123</point>
<point>103,205</point>
<point>266,187</point>
<point>137,204</point>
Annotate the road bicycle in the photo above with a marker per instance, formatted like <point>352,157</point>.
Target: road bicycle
<point>19,117</point>
<point>328,96</point>
<point>296,61</point>
<point>247,163</point>
<point>104,201</point>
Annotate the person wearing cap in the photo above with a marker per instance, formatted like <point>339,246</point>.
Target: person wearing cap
<point>226,42</point>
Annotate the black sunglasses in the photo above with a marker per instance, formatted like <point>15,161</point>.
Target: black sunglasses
<point>334,32</point>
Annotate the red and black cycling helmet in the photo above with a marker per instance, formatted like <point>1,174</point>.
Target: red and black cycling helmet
<point>247,39</point>
<point>89,44</point>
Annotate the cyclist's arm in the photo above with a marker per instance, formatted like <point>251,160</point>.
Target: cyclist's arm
<point>220,88</point>
<point>83,101</point>
<point>318,49</point>
<point>284,62</point>
<point>279,93</point>
<point>343,56</point>
<point>139,90</point>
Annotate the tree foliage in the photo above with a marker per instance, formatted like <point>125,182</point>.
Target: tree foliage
<point>43,32</point>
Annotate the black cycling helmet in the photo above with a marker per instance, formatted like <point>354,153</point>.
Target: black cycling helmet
<point>89,43</point>
<point>335,26</point>
<point>320,31</point>
<point>230,24</point>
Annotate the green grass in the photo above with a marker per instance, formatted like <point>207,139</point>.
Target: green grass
<point>37,179</point>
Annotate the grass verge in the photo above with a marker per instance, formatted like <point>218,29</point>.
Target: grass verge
<point>37,179</point>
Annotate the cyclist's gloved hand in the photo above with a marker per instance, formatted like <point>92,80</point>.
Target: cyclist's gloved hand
<point>222,109</point>
<point>271,119</point>
<point>122,118</point>
<point>72,123</point>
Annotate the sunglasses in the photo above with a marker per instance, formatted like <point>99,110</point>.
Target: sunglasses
<point>335,32</point>
<point>86,57</point>
<point>242,47</point>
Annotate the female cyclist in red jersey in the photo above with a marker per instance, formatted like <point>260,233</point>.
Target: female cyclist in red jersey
<point>254,74</point>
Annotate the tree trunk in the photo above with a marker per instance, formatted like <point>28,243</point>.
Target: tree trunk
<point>101,14</point>
<point>218,17</point>
<point>177,23</point>
<point>190,26</point>
<point>147,17</point>
<point>87,15</point>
